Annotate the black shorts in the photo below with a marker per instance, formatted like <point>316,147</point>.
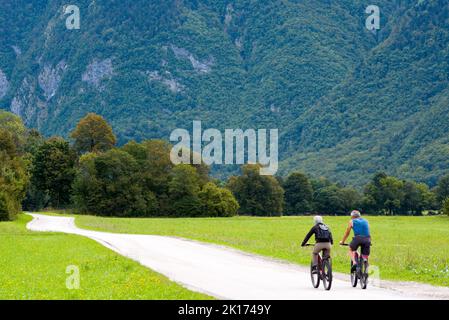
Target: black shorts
<point>363,242</point>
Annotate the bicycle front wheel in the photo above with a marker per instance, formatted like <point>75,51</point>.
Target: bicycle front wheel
<point>315,276</point>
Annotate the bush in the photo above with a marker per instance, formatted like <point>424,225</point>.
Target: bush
<point>187,206</point>
<point>445,208</point>
<point>218,202</point>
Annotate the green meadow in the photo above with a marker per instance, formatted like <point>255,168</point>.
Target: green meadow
<point>34,265</point>
<point>404,248</point>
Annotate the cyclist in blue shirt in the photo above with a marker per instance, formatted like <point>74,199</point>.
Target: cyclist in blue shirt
<point>362,236</point>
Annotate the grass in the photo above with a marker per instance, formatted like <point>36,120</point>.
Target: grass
<point>404,248</point>
<point>33,266</point>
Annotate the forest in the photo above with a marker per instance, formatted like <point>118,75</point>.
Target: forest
<point>90,174</point>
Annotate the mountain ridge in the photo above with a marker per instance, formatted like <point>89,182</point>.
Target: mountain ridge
<point>310,69</point>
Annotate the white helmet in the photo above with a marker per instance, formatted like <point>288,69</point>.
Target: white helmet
<point>318,219</point>
<point>356,214</point>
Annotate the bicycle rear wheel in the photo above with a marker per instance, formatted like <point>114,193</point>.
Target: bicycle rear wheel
<point>327,274</point>
<point>364,274</point>
<point>354,277</point>
<point>315,276</point>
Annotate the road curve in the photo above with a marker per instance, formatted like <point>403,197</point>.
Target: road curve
<point>219,271</point>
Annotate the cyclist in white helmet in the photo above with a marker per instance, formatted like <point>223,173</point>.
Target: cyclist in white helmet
<point>323,239</point>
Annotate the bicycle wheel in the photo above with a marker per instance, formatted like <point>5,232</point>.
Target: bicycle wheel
<point>354,277</point>
<point>315,276</point>
<point>327,274</point>
<point>364,274</point>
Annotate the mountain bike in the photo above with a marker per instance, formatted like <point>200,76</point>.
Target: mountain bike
<point>361,270</point>
<point>322,272</point>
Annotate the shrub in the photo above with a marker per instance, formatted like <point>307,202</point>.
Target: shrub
<point>445,208</point>
<point>218,202</point>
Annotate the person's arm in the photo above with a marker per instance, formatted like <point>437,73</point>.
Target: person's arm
<point>331,238</point>
<point>311,232</point>
<point>347,232</point>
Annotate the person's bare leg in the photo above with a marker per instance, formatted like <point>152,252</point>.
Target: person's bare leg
<point>352,254</point>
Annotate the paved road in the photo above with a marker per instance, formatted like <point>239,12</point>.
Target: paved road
<point>215,270</point>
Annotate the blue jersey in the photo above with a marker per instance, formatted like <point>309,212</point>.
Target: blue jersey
<point>360,227</point>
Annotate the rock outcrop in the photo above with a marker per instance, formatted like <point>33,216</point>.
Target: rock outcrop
<point>50,78</point>
<point>4,84</point>
<point>167,79</point>
<point>97,71</point>
<point>199,66</point>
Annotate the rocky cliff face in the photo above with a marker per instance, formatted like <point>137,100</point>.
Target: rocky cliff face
<point>50,77</point>
<point>4,84</point>
<point>97,71</point>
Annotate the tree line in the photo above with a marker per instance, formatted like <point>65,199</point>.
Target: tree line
<point>90,174</point>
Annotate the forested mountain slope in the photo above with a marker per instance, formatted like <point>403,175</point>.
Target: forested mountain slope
<point>391,113</point>
<point>347,102</point>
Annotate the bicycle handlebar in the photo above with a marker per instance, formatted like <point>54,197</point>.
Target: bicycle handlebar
<point>347,244</point>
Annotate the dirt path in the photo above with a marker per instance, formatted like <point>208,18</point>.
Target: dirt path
<point>227,273</point>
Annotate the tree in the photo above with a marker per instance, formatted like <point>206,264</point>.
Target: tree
<point>217,202</point>
<point>35,199</point>
<point>257,195</point>
<point>13,182</point>
<point>13,166</point>
<point>153,158</point>
<point>7,144</point>
<point>93,134</point>
<point>393,192</point>
<point>384,194</point>
<point>374,198</point>
<point>442,189</point>
<point>184,188</point>
<point>327,200</point>
<point>33,141</point>
<point>109,184</point>
<point>298,194</point>
<point>417,197</point>
<point>52,173</point>
<point>14,125</point>
<point>331,198</point>
<point>86,192</point>
<point>350,199</point>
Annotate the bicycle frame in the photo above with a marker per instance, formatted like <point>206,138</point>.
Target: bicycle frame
<point>323,271</point>
<point>362,264</point>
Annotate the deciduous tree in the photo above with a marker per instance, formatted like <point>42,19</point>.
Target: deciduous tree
<point>257,195</point>
<point>298,194</point>
<point>93,134</point>
<point>53,171</point>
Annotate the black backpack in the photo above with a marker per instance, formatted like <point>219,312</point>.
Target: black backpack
<point>323,232</point>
